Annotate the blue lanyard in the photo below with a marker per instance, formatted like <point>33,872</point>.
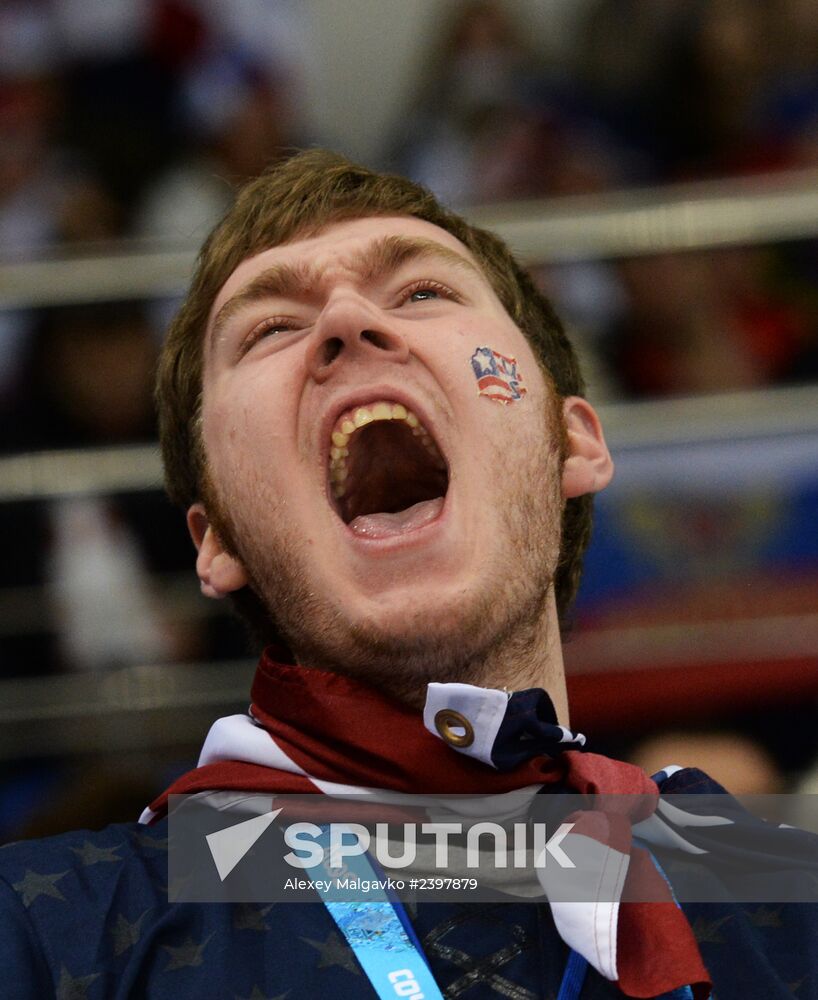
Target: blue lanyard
<point>384,944</point>
<point>573,977</point>
<point>395,966</point>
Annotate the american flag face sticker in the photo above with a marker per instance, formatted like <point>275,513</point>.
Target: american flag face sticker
<point>497,376</point>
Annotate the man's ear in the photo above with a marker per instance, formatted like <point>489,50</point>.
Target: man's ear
<point>588,466</point>
<point>219,572</point>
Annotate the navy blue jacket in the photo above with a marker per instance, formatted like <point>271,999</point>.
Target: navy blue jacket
<point>85,916</point>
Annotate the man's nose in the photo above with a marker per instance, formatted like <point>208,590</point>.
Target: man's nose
<point>350,328</point>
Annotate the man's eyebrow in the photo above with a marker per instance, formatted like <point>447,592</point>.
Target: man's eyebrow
<point>381,258</point>
<point>389,253</point>
<point>278,281</point>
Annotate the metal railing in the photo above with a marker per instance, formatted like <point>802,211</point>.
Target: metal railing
<point>695,216</point>
<point>132,708</point>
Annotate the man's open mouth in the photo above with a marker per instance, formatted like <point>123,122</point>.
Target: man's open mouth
<point>387,475</point>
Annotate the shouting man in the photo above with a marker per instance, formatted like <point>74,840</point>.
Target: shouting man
<point>376,426</point>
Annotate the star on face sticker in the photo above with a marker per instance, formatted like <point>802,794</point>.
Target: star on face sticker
<point>484,358</point>
<point>125,933</point>
<point>90,854</point>
<point>34,884</point>
<point>334,952</point>
<point>74,987</point>
<point>249,917</point>
<point>258,995</point>
<point>187,954</point>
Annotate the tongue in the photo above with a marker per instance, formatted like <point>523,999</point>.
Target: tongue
<point>388,525</point>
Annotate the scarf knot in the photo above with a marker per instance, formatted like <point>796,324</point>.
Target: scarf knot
<point>499,728</point>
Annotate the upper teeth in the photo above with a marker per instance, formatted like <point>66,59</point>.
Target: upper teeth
<point>352,420</point>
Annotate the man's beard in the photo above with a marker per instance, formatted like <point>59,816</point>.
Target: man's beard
<point>502,618</point>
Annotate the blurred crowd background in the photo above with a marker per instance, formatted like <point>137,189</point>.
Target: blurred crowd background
<point>131,123</point>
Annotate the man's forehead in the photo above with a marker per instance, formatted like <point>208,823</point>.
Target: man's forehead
<point>339,244</point>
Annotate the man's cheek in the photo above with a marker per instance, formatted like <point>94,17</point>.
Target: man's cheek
<point>228,442</point>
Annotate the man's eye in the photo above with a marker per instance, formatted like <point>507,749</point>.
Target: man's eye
<point>421,294</point>
<point>267,328</point>
<point>425,291</point>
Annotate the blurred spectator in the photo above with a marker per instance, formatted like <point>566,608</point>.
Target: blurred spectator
<point>711,89</point>
<point>469,85</point>
<point>163,100</point>
<point>91,374</point>
<point>46,198</point>
<point>89,379</point>
<point>122,83</point>
<point>702,322</point>
<point>238,120</point>
<point>737,762</point>
<point>621,47</point>
<point>702,88</point>
<point>46,195</point>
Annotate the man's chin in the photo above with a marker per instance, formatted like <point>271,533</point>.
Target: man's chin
<point>400,650</point>
<point>447,623</point>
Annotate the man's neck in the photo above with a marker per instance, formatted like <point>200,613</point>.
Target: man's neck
<point>529,659</point>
